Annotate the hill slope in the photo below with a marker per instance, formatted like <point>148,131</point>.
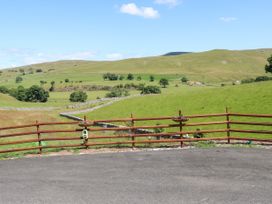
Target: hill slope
<point>210,66</point>
<point>248,98</point>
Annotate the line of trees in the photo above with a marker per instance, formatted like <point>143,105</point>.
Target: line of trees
<point>33,94</point>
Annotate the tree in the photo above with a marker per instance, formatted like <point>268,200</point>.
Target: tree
<point>184,79</point>
<point>151,90</point>
<point>78,96</point>
<point>268,67</point>
<point>52,88</point>
<point>164,82</point>
<point>262,78</point>
<point>130,76</point>
<point>117,92</point>
<point>139,78</point>
<point>42,82</point>
<point>66,80</point>
<point>36,94</point>
<point>21,70</point>
<point>4,90</point>
<point>18,79</point>
<point>110,76</point>
<point>19,93</point>
<point>39,70</point>
<point>151,78</point>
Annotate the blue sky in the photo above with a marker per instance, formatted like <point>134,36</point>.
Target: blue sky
<point>34,31</point>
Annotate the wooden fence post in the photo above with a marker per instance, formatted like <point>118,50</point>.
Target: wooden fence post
<point>39,136</point>
<point>132,131</point>
<point>228,124</point>
<point>85,127</point>
<point>180,128</point>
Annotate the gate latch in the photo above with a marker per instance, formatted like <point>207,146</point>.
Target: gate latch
<point>85,134</point>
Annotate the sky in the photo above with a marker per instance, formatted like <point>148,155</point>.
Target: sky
<point>34,31</point>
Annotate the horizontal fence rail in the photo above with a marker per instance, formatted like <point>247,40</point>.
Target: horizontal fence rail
<point>175,130</point>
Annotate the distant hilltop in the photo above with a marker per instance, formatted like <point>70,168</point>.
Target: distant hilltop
<point>176,53</point>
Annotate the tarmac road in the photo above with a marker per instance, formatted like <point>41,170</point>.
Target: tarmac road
<point>217,175</point>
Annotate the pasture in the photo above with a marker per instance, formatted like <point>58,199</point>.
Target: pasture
<point>212,68</point>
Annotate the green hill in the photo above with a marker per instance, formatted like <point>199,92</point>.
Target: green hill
<point>247,98</point>
<point>211,66</point>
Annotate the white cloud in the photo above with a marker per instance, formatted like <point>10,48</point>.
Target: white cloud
<point>170,3</point>
<point>228,19</point>
<point>114,56</point>
<point>133,9</point>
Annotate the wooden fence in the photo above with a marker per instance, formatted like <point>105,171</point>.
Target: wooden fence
<point>173,130</point>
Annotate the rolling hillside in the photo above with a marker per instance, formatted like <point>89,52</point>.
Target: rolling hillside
<point>247,98</point>
<point>211,66</point>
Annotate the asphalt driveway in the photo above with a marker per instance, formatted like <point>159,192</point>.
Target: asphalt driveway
<point>217,175</point>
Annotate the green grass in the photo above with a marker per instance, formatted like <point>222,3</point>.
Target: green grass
<point>211,66</point>
<point>248,98</point>
<point>56,99</point>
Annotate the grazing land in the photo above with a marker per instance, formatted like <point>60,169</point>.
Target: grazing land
<point>254,98</point>
<point>215,78</point>
<point>209,67</point>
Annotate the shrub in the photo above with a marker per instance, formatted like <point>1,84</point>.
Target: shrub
<point>39,70</point>
<point>139,78</point>
<point>268,67</point>
<point>21,70</point>
<point>52,88</point>
<point>151,90</point>
<point>66,80</point>
<point>18,79</point>
<point>163,82</point>
<point>19,93</point>
<point>130,86</point>
<point>121,77</point>
<point>42,82</point>
<point>246,81</point>
<point>4,90</point>
<point>158,129</point>
<point>130,76</point>
<point>110,76</point>
<point>184,79</point>
<point>117,92</point>
<point>78,96</point>
<point>36,94</point>
<point>198,134</point>
<point>262,78</point>
<point>140,87</point>
<point>32,94</point>
<point>151,78</point>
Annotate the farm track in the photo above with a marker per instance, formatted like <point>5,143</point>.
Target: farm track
<point>111,101</point>
<point>72,106</point>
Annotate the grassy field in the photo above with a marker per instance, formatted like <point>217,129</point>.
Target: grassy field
<point>249,98</point>
<point>211,67</point>
<point>56,99</point>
